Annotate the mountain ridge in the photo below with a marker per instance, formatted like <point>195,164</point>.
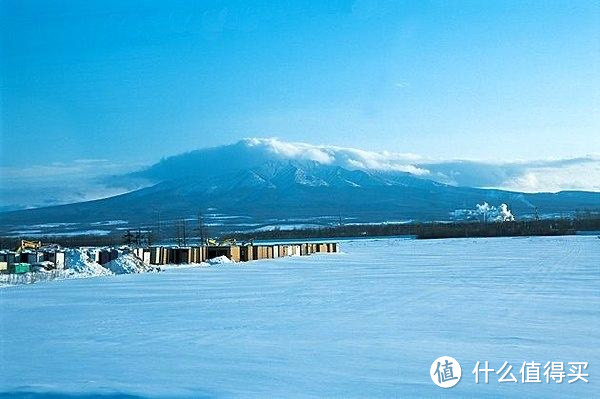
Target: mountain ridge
<point>267,187</point>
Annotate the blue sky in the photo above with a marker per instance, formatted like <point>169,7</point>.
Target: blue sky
<point>102,87</point>
<point>139,80</point>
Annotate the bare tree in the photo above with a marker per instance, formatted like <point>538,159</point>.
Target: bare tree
<point>128,237</point>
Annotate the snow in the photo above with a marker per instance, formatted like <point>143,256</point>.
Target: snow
<point>127,264</point>
<point>220,260</point>
<point>287,226</point>
<point>17,233</point>
<point>79,263</point>
<point>40,233</point>
<point>182,266</point>
<point>366,323</point>
<point>89,232</point>
<point>52,225</point>
<point>109,222</point>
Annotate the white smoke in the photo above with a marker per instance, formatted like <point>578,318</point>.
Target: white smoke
<point>490,213</point>
<point>505,213</point>
<point>483,208</point>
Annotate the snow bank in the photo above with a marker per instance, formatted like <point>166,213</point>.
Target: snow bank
<point>79,265</point>
<point>127,264</point>
<point>219,260</point>
<point>77,261</point>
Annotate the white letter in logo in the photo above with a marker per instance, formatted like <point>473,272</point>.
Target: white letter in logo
<point>445,372</point>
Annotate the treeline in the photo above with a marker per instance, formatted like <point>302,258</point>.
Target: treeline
<point>428,230</point>
<point>547,227</point>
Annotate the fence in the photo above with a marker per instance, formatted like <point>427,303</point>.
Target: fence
<point>29,278</point>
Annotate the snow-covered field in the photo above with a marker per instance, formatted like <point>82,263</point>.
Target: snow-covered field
<point>364,323</point>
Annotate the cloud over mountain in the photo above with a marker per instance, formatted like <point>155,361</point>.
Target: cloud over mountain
<point>349,158</point>
<point>92,179</point>
<point>581,173</point>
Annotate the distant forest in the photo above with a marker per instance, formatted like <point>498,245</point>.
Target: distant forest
<point>430,230</point>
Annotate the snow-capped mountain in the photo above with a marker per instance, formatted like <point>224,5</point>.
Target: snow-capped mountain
<point>582,173</point>
<point>268,181</point>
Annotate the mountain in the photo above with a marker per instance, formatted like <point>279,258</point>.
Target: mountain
<point>244,186</point>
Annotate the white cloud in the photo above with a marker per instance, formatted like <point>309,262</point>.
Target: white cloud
<point>582,176</point>
<point>87,167</point>
<point>87,179</point>
<point>351,158</point>
<point>59,183</point>
<point>581,173</point>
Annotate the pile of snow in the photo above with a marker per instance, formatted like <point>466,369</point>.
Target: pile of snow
<point>43,266</point>
<point>127,264</point>
<point>78,264</point>
<point>78,261</point>
<point>219,260</point>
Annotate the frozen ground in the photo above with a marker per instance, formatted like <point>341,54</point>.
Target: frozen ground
<point>366,323</point>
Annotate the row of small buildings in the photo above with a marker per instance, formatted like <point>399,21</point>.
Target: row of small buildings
<point>23,262</point>
<point>32,260</point>
<point>237,253</point>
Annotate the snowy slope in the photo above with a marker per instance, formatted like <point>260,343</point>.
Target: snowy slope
<point>365,323</point>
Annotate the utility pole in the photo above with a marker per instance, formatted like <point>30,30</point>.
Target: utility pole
<point>184,233</point>
<point>178,231</point>
<point>158,225</point>
<point>200,227</point>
